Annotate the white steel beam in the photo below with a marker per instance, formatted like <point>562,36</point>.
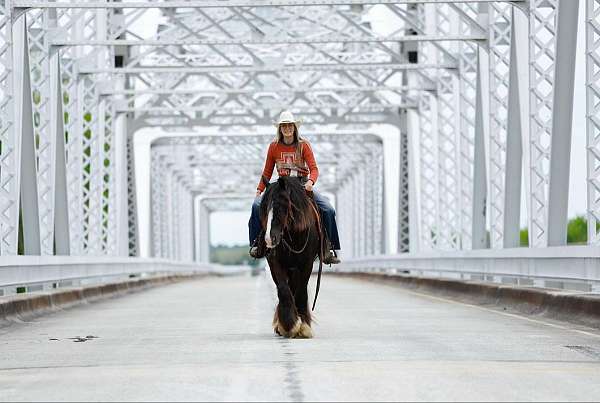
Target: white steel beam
<point>121,186</point>
<point>60,220</point>
<point>226,110</point>
<point>593,119</point>
<point>474,16</point>
<point>169,4</point>
<point>229,91</point>
<point>270,41</point>
<point>479,215</point>
<point>542,34</point>
<point>515,130</point>
<point>263,69</point>
<point>562,121</point>
<point>27,173</point>
<point>499,51</point>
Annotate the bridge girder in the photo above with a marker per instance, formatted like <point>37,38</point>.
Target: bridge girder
<point>450,75</point>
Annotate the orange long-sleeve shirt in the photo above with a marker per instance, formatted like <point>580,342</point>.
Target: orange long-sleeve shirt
<point>284,157</point>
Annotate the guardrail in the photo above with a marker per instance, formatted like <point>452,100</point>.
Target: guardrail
<point>36,273</point>
<point>570,267</point>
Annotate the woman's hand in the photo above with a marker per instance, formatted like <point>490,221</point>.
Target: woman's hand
<point>258,193</point>
<point>309,185</point>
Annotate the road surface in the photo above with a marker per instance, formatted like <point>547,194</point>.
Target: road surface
<point>211,339</point>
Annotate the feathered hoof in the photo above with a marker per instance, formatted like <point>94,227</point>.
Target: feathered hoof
<point>292,332</point>
<point>305,332</point>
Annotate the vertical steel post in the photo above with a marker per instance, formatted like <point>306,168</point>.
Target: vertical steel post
<point>403,188</point>
<point>24,131</point>
<point>593,119</point>
<point>542,34</point>
<point>562,121</point>
<point>132,213</point>
<point>515,130</point>
<point>428,157</point>
<point>204,233</point>
<point>58,154</point>
<point>9,201</point>
<point>121,177</point>
<point>412,146</point>
<point>479,233</point>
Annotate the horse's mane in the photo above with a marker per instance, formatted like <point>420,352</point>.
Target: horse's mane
<point>301,214</point>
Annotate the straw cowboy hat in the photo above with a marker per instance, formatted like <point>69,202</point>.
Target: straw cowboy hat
<point>287,117</point>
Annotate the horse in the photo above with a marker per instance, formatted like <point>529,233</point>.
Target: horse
<point>294,239</point>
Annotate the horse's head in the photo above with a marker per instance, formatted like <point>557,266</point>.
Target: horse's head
<point>279,210</point>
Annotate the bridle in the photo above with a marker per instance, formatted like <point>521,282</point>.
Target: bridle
<point>287,245</point>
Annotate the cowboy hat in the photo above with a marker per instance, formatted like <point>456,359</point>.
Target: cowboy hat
<point>287,117</point>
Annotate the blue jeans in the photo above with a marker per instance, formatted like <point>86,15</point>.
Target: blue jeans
<point>327,212</point>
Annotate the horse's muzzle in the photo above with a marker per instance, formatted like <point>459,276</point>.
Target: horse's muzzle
<point>271,242</point>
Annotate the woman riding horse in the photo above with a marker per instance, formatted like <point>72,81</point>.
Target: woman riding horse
<point>293,156</point>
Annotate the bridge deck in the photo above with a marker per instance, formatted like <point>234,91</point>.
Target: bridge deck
<point>211,340</point>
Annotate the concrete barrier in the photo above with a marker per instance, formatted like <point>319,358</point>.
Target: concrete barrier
<point>570,306</point>
<point>28,305</point>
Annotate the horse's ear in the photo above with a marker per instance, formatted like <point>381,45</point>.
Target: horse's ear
<point>281,182</point>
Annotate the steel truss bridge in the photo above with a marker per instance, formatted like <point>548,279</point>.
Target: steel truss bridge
<point>125,124</point>
<point>468,102</point>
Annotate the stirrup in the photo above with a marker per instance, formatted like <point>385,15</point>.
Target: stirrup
<point>258,249</point>
<point>330,257</point>
<point>253,252</point>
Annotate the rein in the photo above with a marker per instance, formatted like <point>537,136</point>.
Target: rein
<point>297,252</point>
<point>321,241</point>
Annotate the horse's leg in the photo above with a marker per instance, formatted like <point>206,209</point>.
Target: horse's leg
<point>286,321</point>
<point>301,278</point>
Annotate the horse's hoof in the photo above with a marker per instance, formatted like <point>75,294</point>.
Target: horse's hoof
<point>292,332</point>
<point>305,332</point>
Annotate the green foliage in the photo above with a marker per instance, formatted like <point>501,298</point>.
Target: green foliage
<point>36,97</point>
<point>231,255</point>
<point>577,231</point>
<point>524,237</point>
<point>20,240</point>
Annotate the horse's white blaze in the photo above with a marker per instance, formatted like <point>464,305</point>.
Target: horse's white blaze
<point>268,231</point>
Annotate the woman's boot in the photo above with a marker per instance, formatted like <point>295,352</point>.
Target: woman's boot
<point>259,247</point>
<point>329,255</point>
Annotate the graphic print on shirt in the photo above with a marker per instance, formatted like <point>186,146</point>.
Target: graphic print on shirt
<point>286,164</point>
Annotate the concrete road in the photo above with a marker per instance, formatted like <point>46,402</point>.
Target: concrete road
<point>211,340</point>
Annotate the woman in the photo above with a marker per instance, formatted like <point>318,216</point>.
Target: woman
<point>293,156</point>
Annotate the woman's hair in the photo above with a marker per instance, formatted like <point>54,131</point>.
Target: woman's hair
<point>297,140</point>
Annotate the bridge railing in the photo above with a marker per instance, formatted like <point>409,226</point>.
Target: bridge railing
<point>570,268</point>
<point>36,273</point>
